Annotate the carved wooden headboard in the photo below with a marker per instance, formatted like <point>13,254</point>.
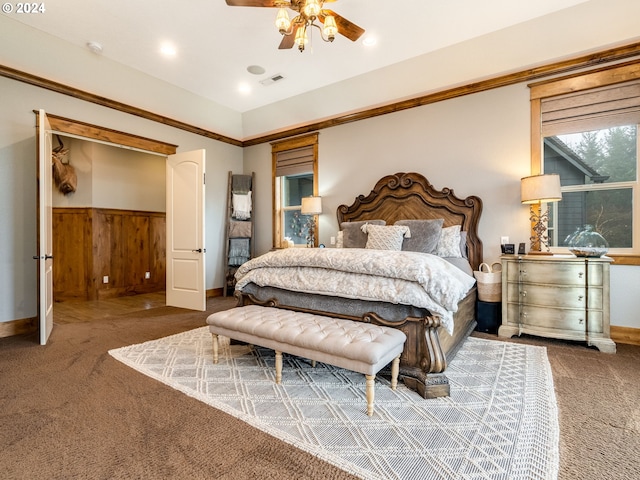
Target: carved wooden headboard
<point>410,196</point>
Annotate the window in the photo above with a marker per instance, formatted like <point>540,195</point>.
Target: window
<point>295,172</point>
<point>585,128</point>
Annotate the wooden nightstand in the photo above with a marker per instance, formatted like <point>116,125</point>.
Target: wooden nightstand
<point>557,296</point>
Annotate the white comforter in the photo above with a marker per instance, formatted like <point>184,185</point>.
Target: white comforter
<point>409,278</point>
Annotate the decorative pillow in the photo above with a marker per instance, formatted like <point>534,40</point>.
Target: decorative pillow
<point>352,236</point>
<point>449,244</point>
<point>385,237</point>
<point>425,235</point>
<point>339,239</point>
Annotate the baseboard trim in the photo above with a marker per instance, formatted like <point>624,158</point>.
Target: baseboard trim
<point>214,292</point>
<point>626,335</point>
<point>18,327</point>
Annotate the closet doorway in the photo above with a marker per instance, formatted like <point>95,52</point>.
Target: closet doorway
<point>184,174</point>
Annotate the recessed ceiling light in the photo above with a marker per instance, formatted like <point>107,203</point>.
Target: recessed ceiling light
<point>369,41</point>
<point>255,69</point>
<point>168,50</point>
<point>244,88</point>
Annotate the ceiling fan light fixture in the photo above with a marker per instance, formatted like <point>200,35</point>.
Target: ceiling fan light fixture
<point>330,28</point>
<point>301,38</point>
<point>312,8</point>
<point>297,29</point>
<point>283,23</point>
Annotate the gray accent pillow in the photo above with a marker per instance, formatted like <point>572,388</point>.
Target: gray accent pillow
<point>352,236</point>
<point>425,235</point>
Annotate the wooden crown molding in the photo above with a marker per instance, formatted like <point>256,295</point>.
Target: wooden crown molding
<point>106,102</point>
<point>87,130</point>
<point>585,61</point>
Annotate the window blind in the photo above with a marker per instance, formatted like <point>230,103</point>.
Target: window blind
<point>295,161</point>
<point>609,106</point>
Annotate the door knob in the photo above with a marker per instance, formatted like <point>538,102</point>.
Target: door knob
<point>199,250</point>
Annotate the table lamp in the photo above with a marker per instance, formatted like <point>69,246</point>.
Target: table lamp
<point>535,190</point>
<point>311,206</point>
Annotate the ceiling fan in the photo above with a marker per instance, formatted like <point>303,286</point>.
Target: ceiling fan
<point>297,31</point>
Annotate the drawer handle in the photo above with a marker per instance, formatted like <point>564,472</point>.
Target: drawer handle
<point>580,297</point>
<point>523,293</point>
<point>580,274</point>
<point>581,321</point>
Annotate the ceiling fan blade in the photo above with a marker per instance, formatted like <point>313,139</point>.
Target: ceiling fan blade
<point>252,3</point>
<point>288,41</point>
<point>345,27</point>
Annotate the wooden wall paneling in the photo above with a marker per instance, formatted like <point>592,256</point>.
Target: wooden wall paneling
<point>118,251</point>
<point>122,245</point>
<point>137,250</point>
<point>101,246</point>
<point>158,251</point>
<point>108,253</point>
<point>70,241</point>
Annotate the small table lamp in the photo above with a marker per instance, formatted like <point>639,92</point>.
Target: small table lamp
<point>535,190</point>
<point>311,206</point>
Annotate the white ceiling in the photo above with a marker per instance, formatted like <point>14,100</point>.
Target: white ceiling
<point>216,43</point>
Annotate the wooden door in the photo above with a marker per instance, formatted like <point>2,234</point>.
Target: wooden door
<point>45,242</point>
<point>185,230</point>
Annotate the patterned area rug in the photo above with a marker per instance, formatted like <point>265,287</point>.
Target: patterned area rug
<point>500,421</point>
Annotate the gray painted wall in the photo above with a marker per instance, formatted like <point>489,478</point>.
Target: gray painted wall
<point>477,145</point>
<point>18,184</point>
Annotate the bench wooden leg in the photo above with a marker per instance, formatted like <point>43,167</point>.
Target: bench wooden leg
<point>278,367</point>
<point>215,347</point>
<point>395,367</point>
<point>371,380</point>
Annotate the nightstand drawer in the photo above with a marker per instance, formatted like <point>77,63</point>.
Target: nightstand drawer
<point>554,296</point>
<point>554,273</point>
<point>555,318</point>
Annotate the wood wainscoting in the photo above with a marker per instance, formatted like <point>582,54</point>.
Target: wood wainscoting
<point>121,246</point>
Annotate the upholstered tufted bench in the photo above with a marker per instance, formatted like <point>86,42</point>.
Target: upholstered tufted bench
<point>357,346</point>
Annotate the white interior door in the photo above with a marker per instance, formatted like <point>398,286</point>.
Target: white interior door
<point>45,243</point>
<point>185,230</point>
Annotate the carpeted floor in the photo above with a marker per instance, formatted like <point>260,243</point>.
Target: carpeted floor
<point>69,410</point>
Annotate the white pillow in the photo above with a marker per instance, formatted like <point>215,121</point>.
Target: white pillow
<point>449,243</point>
<point>385,237</point>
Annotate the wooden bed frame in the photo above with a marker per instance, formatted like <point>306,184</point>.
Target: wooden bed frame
<point>429,347</point>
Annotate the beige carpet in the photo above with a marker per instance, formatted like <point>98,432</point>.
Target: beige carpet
<point>69,410</point>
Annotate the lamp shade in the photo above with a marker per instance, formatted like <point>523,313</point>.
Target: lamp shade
<point>311,206</point>
<point>540,188</point>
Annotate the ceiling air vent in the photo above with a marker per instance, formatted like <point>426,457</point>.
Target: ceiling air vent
<point>271,80</point>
